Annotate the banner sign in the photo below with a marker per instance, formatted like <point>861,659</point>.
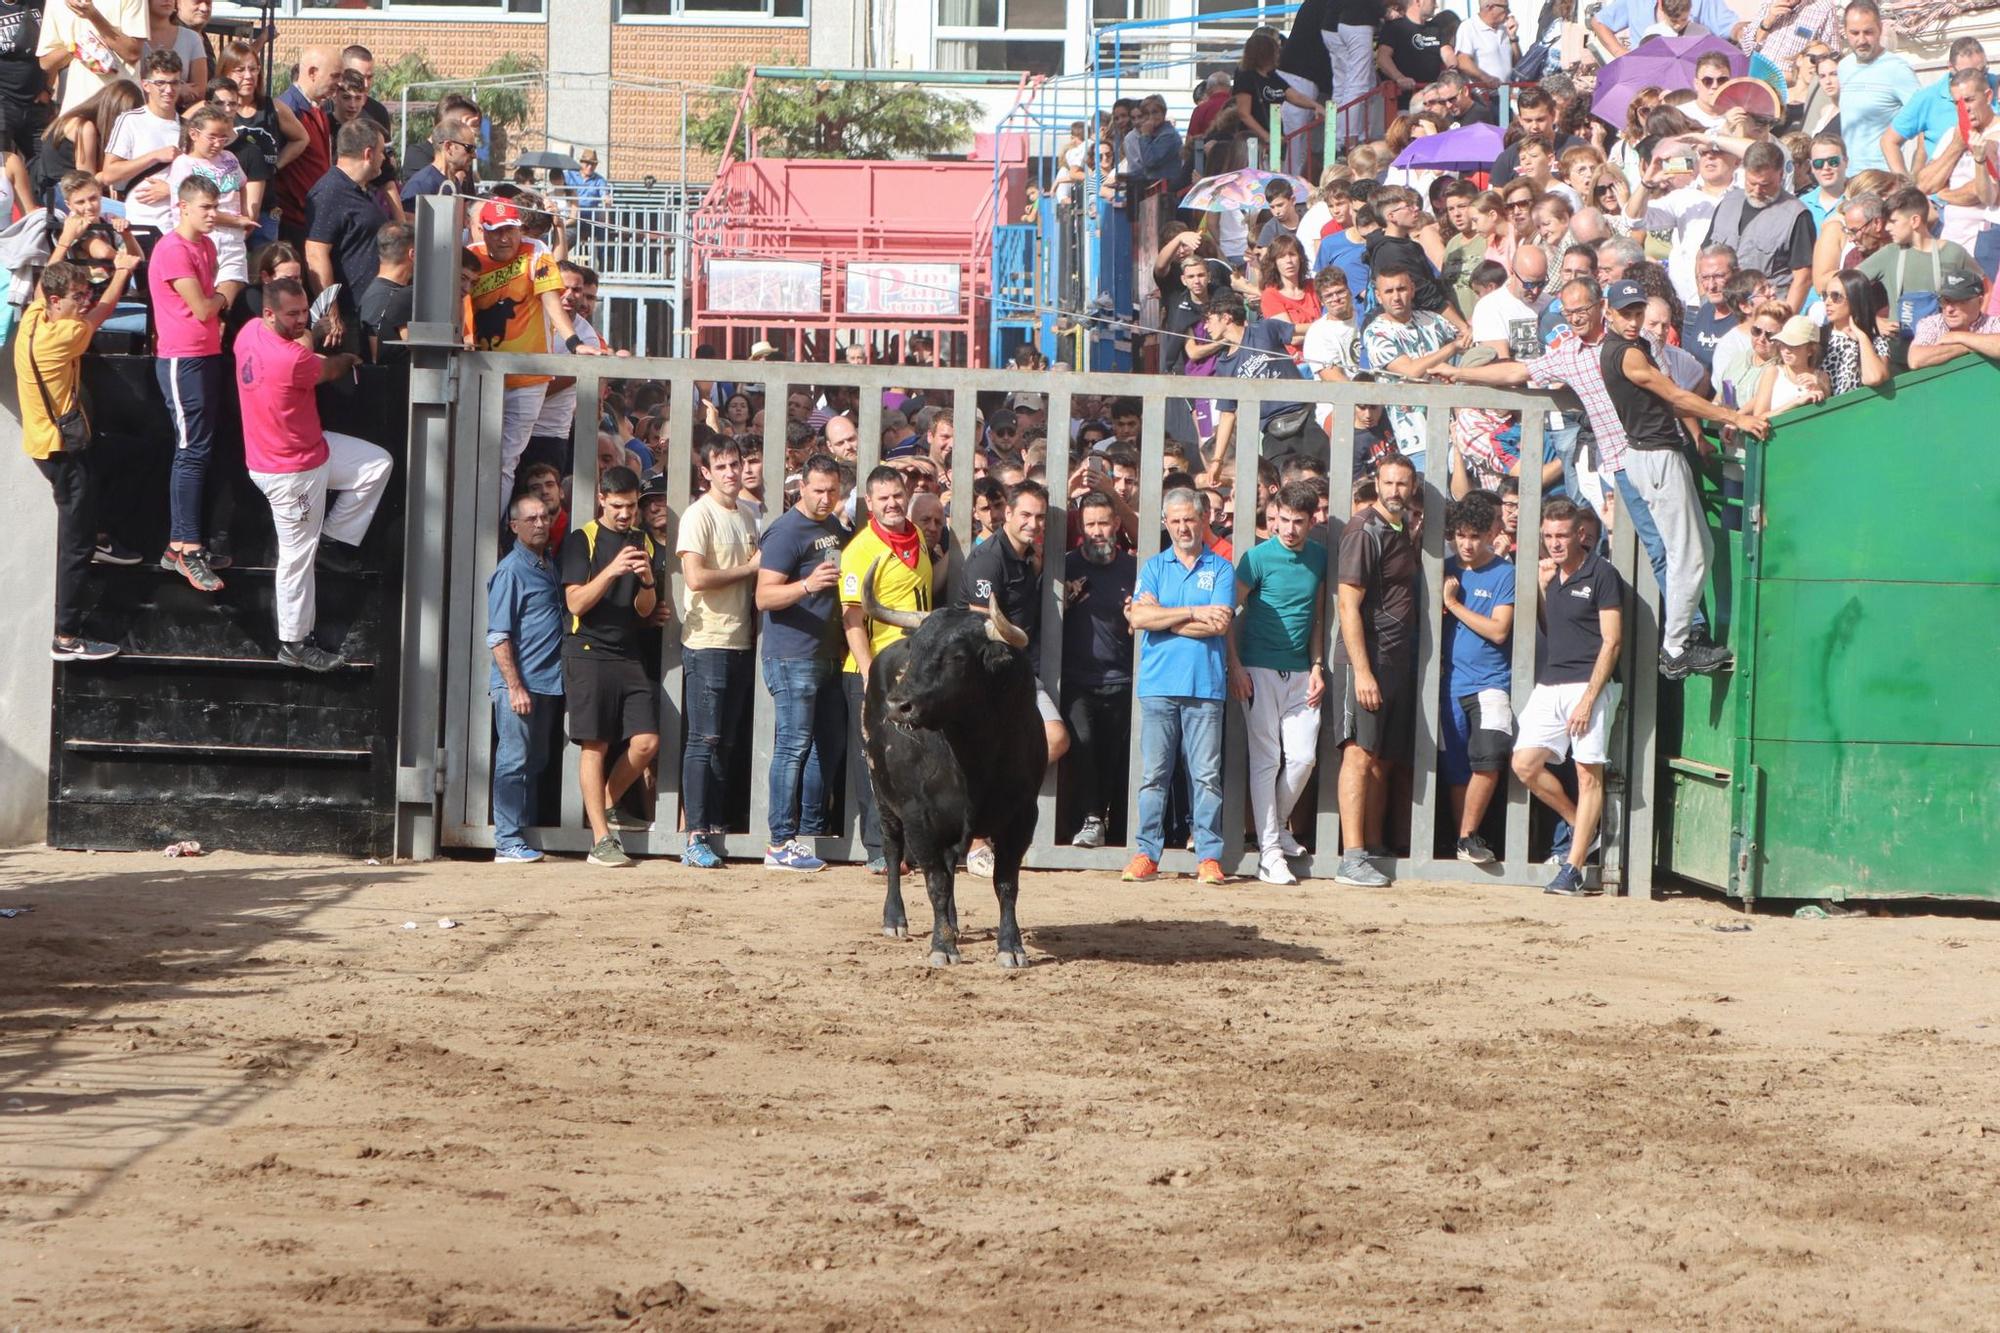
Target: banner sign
<point>906,290</point>
<point>764,287</point>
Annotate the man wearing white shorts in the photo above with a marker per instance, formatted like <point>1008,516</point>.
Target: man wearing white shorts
<point>1570,711</point>
<point>295,463</point>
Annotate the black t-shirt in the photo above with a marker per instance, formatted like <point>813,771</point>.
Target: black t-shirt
<point>1266,91</point>
<point>1184,316</point>
<point>1649,423</point>
<point>385,312</point>
<point>1702,330</point>
<point>994,570</point>
<point>1382,561</point>
<point>1303,54</point>
<point>1508,165</point>
<point>427,180</point>
<point>257,145</point>
<point>1370,443</point>
<point>611,628</point>
<point>21,78</point>
<point>1567,651</point>
<point>1386,251</point>
<point>1097,643</point>
<point>1417,49</point>
<point>1352,14</point>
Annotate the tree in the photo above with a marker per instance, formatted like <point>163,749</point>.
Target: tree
<point>838,119</point>
<point>504,107</point>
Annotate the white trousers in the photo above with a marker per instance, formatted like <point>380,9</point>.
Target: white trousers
<point>359,471</point>
<point>1284,744</point>
<point>1352,51</point>
<point>1666,483</point>
<point>523,408</point>
<point>1293,119</point>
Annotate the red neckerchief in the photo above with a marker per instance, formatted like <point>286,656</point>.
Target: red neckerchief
<point>905,545</point>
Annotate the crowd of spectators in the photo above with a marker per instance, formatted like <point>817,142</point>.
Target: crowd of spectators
<point>1717,256</point>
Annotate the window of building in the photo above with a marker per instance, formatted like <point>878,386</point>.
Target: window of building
<point>1024,35</point>
<point>718,9</point>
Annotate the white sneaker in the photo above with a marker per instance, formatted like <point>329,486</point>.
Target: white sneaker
<point>979,861</point>
<point>1271,869</point>
<point>1091,834</point>
<point>1289,845</point>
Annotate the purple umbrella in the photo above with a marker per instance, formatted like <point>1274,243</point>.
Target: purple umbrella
<point>1666,63</point>
<point>1467,148</point>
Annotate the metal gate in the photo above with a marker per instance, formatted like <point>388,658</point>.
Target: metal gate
<point>446,736</point>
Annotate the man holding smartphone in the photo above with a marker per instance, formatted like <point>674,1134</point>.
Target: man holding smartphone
<point>609,591</point>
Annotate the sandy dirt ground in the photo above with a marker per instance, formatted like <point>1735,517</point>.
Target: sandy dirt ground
<point>236,1093</point>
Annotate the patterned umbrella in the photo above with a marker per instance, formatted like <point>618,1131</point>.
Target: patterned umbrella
<point>1239,189</point>
<point>1666,63</point>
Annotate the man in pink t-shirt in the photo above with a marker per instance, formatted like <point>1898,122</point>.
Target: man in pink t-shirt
<point>187,323</point>
<point>295,463</point>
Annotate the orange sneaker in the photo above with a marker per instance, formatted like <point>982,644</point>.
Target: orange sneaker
<point>1210,872</point>
<point>1141,869</point>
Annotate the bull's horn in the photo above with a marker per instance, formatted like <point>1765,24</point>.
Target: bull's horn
<point>1001,628</point>
<point>874,610</point>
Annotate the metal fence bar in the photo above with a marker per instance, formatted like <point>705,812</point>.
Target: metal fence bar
<point>763,709</point>
<point>481,559</point>
<point>1527,623</point>
<point>1641,710</point>
<point>1426,789</point>
<point>1055,611</point>
<point>1236,805</point>
<point>1152,455</point>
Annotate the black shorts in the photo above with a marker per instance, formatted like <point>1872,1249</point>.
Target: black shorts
<point>21,126</point>
<point>1487,749</point>
<point>610,699</point>
<point>1389,732</point>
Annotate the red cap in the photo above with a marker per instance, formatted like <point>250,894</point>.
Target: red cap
<point>496,213</point>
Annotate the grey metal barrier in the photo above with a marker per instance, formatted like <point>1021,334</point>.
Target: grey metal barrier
<point>454,520</point>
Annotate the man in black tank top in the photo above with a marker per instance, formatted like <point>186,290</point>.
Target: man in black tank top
<point>1651,408</point>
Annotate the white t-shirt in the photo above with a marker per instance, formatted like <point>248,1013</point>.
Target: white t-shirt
<point>1684,215</point>
<point>135,134</point>
<point>93,64</point>
<point>1330,342</point>
<point>1490,48</point>
<point>725,539</point>
<point>1502,317</point>
<point>558,416</point>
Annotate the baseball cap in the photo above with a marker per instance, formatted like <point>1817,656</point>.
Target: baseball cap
<point>497,213</point>
<point>1624,292</point>
<point>1958,285</point>
<point>1799,332</point>
<point>656,484</point>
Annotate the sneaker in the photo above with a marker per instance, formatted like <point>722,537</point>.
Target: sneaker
<point>219,549</point>
<point>1091,834</point>
<point>1703,658</point>
<point>979,861</point>
<point>338,557</point>
<point>1473,848</point>
<point>607,852</point>
<point>192,566</point>
<point>1141,869</point>
<point>1568,883</point>
<point>1355,870</point>
<point>520,855</point>
<point>877,866</point>
<point>111,551</point>
<point>1290,846</point>
<point>309,655</point>
<point>792,855</point>
<point>81,650</point>
<point>699,855</point>
<point>1271,869</point>
<point>616,818</point>
<point>1210,872</point>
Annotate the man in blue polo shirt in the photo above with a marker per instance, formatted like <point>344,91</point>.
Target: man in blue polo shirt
<point>1933,112</point>
<point>524,630</point>
<point>1182,611</point>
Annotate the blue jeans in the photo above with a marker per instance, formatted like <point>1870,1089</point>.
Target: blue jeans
<point>1191,728</point>
<point>1649,537</point>
<point>523,750</point>
<point>808,744</point>
<point>717,684</point>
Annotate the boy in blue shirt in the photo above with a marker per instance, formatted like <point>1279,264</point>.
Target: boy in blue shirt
<point>1477,707</point>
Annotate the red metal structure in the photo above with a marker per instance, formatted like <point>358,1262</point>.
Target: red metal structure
<point>791,250</point>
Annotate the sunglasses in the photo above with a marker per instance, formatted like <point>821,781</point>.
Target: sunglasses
<point>1711,81</point>
<point>1516,205</point>
<point>1532,284</point>
<point>1819,162</point>
<point>1763,333</point>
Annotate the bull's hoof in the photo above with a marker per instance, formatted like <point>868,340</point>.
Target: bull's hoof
<point>895,932</point>
<point>1019,958</point>
<point>939,958</point>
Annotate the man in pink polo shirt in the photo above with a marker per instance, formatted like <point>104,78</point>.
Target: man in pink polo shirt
<point>295,463</point>
<point>187,319</point>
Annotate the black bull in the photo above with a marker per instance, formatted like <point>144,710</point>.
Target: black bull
<point>956,751</point>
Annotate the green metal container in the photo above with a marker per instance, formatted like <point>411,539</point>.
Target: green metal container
<point>1854,752</point>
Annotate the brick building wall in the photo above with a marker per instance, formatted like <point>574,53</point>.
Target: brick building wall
<point>646,126</point>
